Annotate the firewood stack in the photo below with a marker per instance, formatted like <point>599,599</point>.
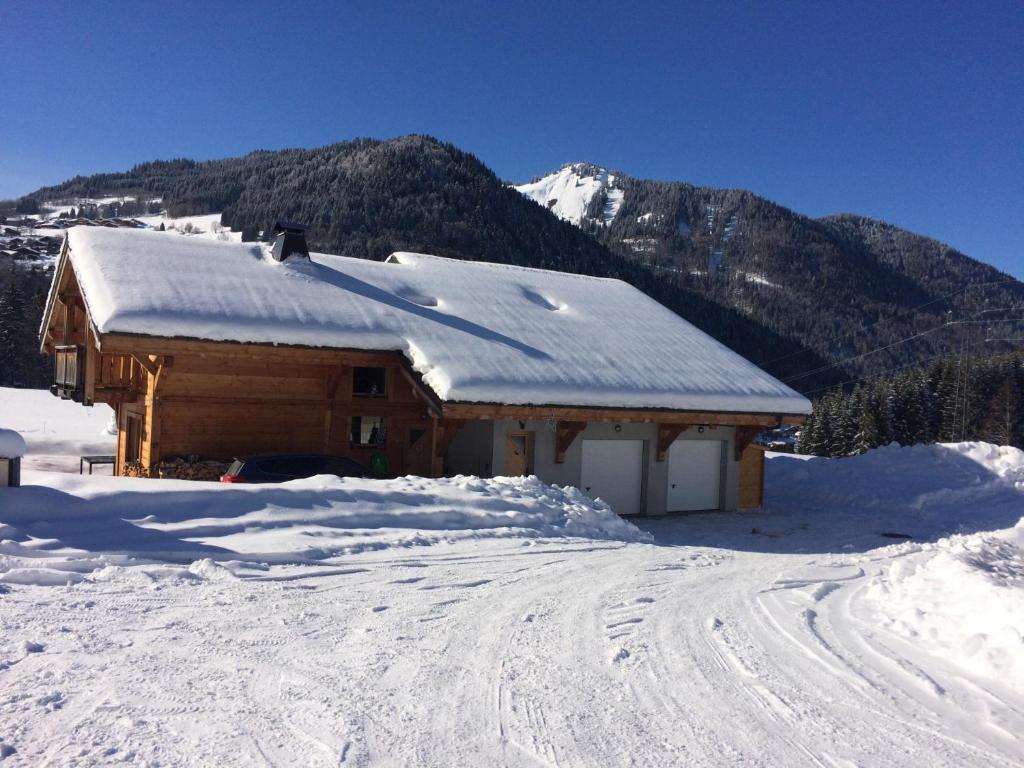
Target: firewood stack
<point>192,468</point>
<point>135,469</point>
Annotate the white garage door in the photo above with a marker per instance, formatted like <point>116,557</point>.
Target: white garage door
<point>613,471</point>
<point>694,475</point>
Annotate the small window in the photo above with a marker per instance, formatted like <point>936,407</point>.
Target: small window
<point>368,430</point>
<point>415,435</point>
<point>369,382</point>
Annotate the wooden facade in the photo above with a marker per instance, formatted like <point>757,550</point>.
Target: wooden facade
<point>219,400</point>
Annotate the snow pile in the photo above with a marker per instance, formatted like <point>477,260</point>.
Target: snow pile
<point>950,515</point>
<point>917,492</point>
<point>478,332</point>
<point>568,192</point>
<point>77,526</point>
<point>12,445</point>
<point>963,599</point>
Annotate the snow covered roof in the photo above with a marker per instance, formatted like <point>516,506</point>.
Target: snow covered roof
<point>477,332</point>
<point>12,444</point>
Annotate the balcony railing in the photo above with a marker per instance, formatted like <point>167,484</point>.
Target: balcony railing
<point>68,372</point>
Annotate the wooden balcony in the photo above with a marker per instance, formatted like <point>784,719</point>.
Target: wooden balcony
<point>119,379</point>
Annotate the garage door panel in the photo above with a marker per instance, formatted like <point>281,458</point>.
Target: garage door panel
<point>612,470</point>
<point>694,475</point>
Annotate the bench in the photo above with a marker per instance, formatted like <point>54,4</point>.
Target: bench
<point>93,461</point>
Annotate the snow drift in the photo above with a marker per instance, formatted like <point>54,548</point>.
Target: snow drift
<point>78,525</point>
<point>920,492</point>
<point>963,599</point>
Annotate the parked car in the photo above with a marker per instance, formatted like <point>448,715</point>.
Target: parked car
<point>280,468</point>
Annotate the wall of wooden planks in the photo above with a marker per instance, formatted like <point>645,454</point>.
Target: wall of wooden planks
<point>219,406</point>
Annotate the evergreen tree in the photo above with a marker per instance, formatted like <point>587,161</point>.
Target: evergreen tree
<point>12,329</point>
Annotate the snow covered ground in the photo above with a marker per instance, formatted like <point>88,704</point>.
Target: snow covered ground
<point>504,622</point>
<point>57,431</point>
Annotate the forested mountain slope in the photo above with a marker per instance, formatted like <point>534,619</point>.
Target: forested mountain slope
<point>841,285</point>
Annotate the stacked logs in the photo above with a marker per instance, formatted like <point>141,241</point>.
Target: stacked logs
<point>135,469</point>
<point>192,468</point>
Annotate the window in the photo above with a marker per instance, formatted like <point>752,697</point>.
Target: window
<point>369,382</point>
<point>368,430</point>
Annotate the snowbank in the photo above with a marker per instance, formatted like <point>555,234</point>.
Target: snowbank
<point>953,575</point>
<point>962,599</point>
<point>83,524</point>
<point>12,445</point>
<point>920,492</point>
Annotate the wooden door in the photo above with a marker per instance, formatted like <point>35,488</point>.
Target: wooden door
<point>416,455</point>
<point>518,453</point>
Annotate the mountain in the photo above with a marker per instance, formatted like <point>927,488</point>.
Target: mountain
<point>841,285</point>
<point>811,300</point>
<point>367,198</point>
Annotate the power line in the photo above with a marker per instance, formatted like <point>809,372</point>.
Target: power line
<point>915,364</point>
<point>894,369</point>
<point>896,317</point>
<point>823,368</point>
<point>947,324</point>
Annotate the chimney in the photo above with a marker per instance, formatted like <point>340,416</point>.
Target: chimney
<point>289,239</point>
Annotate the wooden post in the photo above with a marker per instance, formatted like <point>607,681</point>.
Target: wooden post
<point>155,411</point>
<point>89,377</point>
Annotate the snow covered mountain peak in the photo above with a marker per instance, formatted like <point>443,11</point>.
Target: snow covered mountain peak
<point>570,193</point>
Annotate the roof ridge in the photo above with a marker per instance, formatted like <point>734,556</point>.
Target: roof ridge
<point>500,265</point>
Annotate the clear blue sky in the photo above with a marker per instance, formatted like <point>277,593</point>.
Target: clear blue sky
<point>909,112</point>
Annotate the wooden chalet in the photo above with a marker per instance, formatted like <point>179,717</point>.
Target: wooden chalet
<point>218,350</point>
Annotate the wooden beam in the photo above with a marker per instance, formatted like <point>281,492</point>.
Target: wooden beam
<point>667,434</point>
<point>422,390</point>
<point>744,437</point>
<point>132,344</point>
<point>577,413</point>
<point>89,379</point>
<point>151,366</point>
<point>565,434</point>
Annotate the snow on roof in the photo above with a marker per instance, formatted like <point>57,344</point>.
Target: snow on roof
<point>477,332</point>
<point>12,444</point>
